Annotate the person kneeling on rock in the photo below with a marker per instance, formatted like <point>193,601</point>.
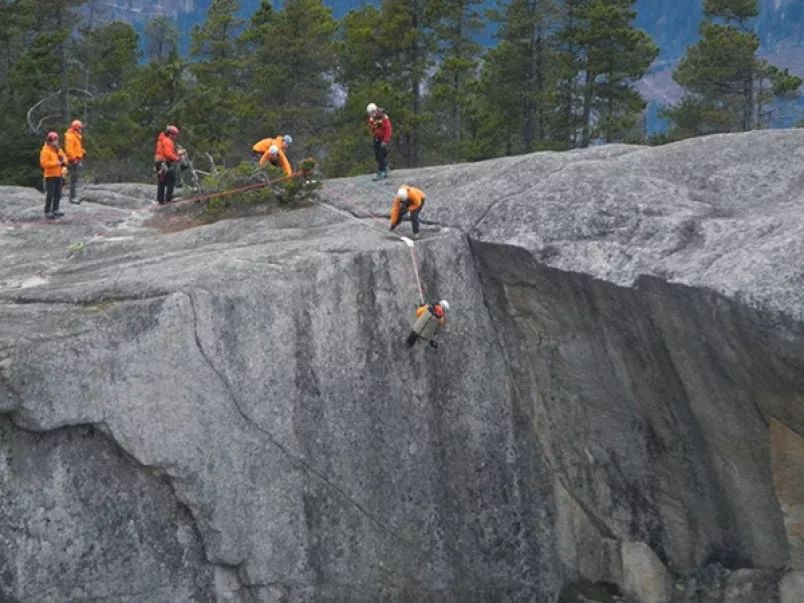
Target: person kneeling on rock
<point>408,200</point>
<point>429,319</point>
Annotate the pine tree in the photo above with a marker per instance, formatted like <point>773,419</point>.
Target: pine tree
<point>519,72</point>
<point>108,58</point>
<point>606,57</point>
<point>385,57</point>
<point>38,66</point>
<point>211,110</point>
<point>726,85</point>
<point>162,39</point>
<point>456,24</point>
<point>291,69</point>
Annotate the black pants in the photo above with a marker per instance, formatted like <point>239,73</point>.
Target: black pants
<point>52,193</point>
<point>166,180</point>
<point>74,170</point>
<point>381,155</point>
<point>414,218</point>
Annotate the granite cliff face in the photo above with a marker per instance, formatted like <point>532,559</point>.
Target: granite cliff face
<point>229,412</point>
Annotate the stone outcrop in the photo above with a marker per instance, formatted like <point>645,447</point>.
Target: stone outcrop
<point>615,412</point>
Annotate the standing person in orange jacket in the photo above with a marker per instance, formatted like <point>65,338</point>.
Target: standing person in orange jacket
<point>407,200</point>
<point>166,161</point>
<point>74,150</point>
<point>53,163</point>
<point>273,151</point>
<point>381,131</point>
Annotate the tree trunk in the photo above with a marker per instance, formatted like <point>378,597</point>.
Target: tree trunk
<point>540,84</point>
<point>587,108</point>
<point>413,148</point>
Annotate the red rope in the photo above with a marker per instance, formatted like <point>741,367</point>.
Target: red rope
<point>231,191</point>
<point>414,259</point>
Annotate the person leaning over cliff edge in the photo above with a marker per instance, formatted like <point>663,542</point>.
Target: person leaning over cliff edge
<point>165,164</point>
<point>429,320</point>
<point>276,156</point>
<point>380,126</point>
<point>261,147</point>
<point>407,200</point>
<point>53,162</point>
<point>74,150</point>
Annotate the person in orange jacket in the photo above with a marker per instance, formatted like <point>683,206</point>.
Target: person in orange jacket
<point>166,161</point>
<point>53,162</point>
<point>429,319</point>
<point>407,200</point>
<point>273,151</point>
<point>74,150</point>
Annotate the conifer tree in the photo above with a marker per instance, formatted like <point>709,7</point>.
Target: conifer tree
<point>456,25</point>
<point>523,64</point>
<point>726,84</point>
<point>607,56</point>
<point>210,111</point>
<point>290,69</point>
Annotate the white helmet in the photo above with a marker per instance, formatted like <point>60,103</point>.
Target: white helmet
<point>444,304</point>
<point>371,108</point>
<point>273,151</point>
<point>288,139</point>
<point>402,193</point>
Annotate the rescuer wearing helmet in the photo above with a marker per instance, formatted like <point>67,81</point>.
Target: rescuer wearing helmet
<point>407,200</point>
<point>74,151</point>
<point>380,126</point>
<point>53,163</point>
<point>165,163</point>
<point>429,319</point>
<point>272,150</point>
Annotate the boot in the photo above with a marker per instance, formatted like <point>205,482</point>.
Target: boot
<point>377,176</point>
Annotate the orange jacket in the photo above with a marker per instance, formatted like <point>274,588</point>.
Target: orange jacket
<point>74,145</point>
<point>165,149</point>
<point>280,161</point>
<point>416,198</point>
<point>263,145</point>
<point>52,159</point>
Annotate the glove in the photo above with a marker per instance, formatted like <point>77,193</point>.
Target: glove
<point>384,144</point>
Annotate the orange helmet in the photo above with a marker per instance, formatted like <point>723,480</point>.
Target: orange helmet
<point>77,124</point>
<point>172,130</point>
<point>52,137</point>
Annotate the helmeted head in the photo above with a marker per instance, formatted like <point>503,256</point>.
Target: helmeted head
<point>52,137</point>
<point>172,130</point>
<point>77,124</point>
<point>371,108</point>
<point>288,140</point>
<point>273,151</point>
<point>402,193</point>
<point>444,304</point>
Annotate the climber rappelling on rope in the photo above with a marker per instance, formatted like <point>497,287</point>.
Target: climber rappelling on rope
<point>429,320</point>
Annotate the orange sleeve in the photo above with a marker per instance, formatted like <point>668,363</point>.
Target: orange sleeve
<point>72,146</point>
<point>416,198</point>
<point>285,164</point>
<point>48,159</point>
<point>264,158</point>
<point>395,208</point>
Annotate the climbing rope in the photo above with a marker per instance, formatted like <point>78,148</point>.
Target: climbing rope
<point>230,191</point>
<point>413,257</point>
